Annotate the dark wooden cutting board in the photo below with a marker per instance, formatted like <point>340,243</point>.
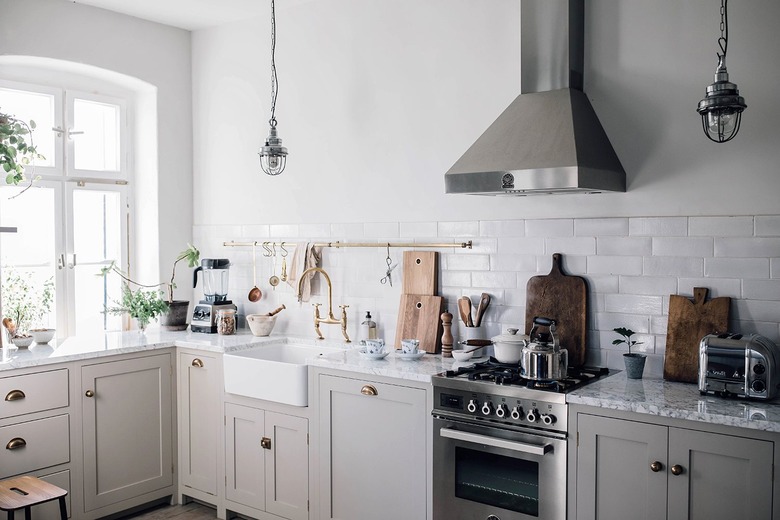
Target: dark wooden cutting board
<point>689,322</point>
<point>419,317</point>
<point>565,299</point>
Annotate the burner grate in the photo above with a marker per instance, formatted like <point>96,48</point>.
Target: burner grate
<point>492,371</point>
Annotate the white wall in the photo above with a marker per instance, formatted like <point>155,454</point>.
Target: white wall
<point>378,99</point>
<point>156,54</point>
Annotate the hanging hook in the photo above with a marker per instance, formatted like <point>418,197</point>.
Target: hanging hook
<point>274,244</point>
<point>284,251</point>
<point>267,253</point>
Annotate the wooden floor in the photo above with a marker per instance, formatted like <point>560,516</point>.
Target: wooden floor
<point>191,511</point>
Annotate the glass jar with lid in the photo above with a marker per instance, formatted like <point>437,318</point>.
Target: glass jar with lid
<point>226,321</point>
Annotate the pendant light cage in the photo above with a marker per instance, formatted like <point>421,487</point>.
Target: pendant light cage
<point>721,109</point>
<point>273,156</point>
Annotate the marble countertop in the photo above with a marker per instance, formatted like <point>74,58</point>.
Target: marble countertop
<point>676,401</point>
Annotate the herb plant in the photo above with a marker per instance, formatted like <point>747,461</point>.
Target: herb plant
<point>142,305</point>
<point>25,301</point>
<point>626,333</point>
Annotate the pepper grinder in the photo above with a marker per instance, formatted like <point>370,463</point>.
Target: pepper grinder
<point>446,337</point>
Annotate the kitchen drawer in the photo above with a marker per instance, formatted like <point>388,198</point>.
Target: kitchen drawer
<point>33,392</point>
<point>39,444</point>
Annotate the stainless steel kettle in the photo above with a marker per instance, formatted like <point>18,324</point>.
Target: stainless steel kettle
<point>542,360</point>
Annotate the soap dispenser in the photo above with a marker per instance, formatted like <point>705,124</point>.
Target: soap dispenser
<point>368,327</point>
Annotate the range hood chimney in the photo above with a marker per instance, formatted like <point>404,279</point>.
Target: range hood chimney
<point>547,141</point>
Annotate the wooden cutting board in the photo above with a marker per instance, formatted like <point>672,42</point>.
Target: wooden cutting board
<point>565,299</point>
<point>689,322</point>
<point>419,317</point>
<point>421,272</point>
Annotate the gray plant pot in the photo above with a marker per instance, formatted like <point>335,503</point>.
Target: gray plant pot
<point>176,317</point>
<point>635,365</point>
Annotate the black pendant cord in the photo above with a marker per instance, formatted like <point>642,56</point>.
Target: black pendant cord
<point>723,41</point>
<point>274,78</point>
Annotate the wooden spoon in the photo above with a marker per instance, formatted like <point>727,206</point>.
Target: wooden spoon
<point>464,306</point>
<point>484,301</point>
<point>254,293</point>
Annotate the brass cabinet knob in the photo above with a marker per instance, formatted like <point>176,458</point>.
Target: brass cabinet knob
<point>197,363</point>
<point>15,395</point>
<point>89,393</point>
<point>16,443</point>
<point>656,466</point>
<point>677,469</point>
<point>369,390</point>
<point>265,443</point>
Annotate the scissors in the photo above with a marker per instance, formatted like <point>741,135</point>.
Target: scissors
<point>389,274</point>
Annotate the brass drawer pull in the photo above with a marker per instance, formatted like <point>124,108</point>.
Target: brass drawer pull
<point>369,390</point>
<point>16,443</point>
<point>265,443</point>
<point>89,393</point>
<point>197,363</point>
<point>15,395</point>
<point>677,469</point>
<point>656,466</point>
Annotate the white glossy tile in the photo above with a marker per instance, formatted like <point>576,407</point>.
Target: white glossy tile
<point>768,226</point>
<point>600,227</point>
<point>648,285</point>
<point>549,228</point>
<point>571,246</point>
<point>683,246</point>
<point>658,226</point>
<point>615,265</point>
<point>624,246</point>
<point>458,229</point>
<point>736,267</point>
<point>720,226</point>
<point>747,247</point>
<point>502,228</point>
<point>673,266</point>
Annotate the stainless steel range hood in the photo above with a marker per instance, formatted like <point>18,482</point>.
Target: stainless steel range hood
<point>544,142</point>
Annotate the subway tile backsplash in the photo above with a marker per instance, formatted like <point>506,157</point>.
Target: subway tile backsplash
<point>631,265</point>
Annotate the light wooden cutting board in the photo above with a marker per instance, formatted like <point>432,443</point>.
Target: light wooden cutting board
<point>689,322</point>
<point>419,317</point>
<point>421,272</point>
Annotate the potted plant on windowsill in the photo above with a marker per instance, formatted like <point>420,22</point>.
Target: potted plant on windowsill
<point>16,153</point>
<point>26,303</point>
<point>635,363</point>
<point>175,312</point>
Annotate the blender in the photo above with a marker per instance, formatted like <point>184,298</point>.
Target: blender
<point>215,287</point>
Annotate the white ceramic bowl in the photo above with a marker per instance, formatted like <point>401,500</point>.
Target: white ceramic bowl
<point>459,355</point>
<point>261,324</point>
<point>22,342</point>
<point>42,336</point>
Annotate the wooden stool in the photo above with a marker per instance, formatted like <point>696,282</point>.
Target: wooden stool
<point>25,492</point>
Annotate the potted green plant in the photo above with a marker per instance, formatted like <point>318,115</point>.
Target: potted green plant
<point>25,302</point>
<point>174,316</point>
<point>635,363</point>
<point>142,305</point>
<point>17,150</point>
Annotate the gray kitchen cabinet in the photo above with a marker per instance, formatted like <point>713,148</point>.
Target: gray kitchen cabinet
<point>127,431</point>
<point>199,407</point>
<point>638,470</point>
<point>267,463</point>
<point>372,450</point>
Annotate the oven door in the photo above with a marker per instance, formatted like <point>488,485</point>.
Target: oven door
<point>479,471</point>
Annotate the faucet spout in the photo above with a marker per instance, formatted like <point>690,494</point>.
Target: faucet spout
<point>330,319</point>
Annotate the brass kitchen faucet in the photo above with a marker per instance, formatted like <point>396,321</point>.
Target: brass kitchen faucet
<point>330,320</point>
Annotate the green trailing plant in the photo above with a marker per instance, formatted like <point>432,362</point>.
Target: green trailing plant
<point>142,305</point>
<point>191,255</point>
<point>626,333</point>
<point>17,149</point>
<point>25,301</point>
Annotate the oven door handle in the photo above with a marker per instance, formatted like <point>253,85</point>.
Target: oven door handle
<point>533,449</point>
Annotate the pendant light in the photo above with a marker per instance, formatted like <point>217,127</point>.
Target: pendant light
<point>721,110</point>
<point>273,156</point>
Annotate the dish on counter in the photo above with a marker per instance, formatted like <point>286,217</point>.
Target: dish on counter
<point>410,357</point>
<point>380,355</point>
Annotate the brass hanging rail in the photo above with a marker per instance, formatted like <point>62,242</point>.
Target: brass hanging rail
<point>337,244</point>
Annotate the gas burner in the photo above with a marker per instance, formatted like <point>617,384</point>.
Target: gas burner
<point>506,374</point>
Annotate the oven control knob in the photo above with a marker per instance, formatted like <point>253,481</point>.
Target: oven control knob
<point>758,386</point>
<point>487,408</point>
<point>502,411</point>
<point>533,415</point>
<point>548,419</point>
<point>472,406</point>
<point>759,369</point>
<point>517,413</point>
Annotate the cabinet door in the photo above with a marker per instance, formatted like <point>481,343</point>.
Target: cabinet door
<point>372,450</point>
<point>287,466</point>
<point>723,477</point>
<point>126,428</point>
<point>199,398</point>
<point>614,477</point>
<point>244,455</point>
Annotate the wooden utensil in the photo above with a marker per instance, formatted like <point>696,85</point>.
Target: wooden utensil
<point>277,310</point>
<point>419,317</point>
<point>464,306</point>
<point>420,272</point>
<point>254,293</point>
<point>565,299</point>
<point>484,301</point>
<point>689,322</point>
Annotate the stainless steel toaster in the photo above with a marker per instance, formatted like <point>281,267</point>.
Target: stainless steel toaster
<point>739,365</point>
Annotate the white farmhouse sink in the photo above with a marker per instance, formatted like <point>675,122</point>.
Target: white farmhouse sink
<point>276,372</point>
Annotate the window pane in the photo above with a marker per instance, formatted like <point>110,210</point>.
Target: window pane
<point>98,147</point>
<point>97,242</point>
<point>27,256</point>
<point>37,107</point>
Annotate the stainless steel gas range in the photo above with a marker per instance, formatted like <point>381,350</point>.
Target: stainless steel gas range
<point>499,447</point>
